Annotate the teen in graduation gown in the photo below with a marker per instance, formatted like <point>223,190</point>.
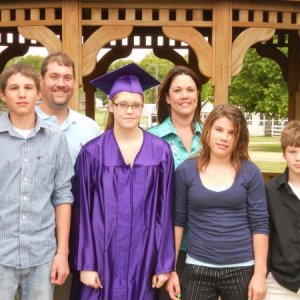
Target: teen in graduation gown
<point>122,223</point>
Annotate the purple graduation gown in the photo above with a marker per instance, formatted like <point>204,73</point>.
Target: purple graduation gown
<point>122,221</point>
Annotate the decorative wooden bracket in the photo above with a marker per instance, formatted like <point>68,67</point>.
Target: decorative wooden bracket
<point>243,42</point>
<point>97,40</point>
<point>43,35</point>
<point>197,42</point>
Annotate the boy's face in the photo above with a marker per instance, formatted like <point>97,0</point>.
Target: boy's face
<point>292,157</point>
<point>20,94</point>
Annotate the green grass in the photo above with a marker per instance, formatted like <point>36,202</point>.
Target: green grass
<point>271,167</point>
<point>264,139</point>
<point>265,147</point>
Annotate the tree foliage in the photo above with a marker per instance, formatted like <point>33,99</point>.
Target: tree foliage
<point>259,87</point>
<point>158,68</point>
<point>33,60</point>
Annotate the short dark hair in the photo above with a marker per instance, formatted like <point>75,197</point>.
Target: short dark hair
<point>60,58</point>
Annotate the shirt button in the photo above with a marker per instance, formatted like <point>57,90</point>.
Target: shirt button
<point>25,179</point>
<point>24,197</point>
<point>23,217</point>
<point>25,160</point>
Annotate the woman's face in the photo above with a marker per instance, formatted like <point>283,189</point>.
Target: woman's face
<point>127,109</point>
<point>183,96</point>
<point>221,139</point>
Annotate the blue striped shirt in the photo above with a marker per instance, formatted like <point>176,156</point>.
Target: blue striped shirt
<point>35,176</point>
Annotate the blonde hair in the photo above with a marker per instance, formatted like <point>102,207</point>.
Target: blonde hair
<point>290,135</point>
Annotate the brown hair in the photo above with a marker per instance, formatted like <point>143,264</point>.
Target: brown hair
<point>110,121</point>
<point>241,135</point>
<point>163,108</point>
<point>290,135</point>
<point>60,58</point>
<point>24,70</point>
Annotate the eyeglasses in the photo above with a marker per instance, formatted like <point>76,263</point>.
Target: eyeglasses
<point>136,107</point>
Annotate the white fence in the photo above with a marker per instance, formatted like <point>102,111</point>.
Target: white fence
<point>263,126</point>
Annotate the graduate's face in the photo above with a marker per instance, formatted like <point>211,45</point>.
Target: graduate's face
<point>221,138</point>
<point>58,85</point>
<point>292,157</point>
<point>183,96</point>
<point>127,109</point>
<point>20,95</point>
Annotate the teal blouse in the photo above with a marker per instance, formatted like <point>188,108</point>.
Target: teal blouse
<point>167,132</point>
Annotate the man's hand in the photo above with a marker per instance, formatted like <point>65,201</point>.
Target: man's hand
<point>59,269</point>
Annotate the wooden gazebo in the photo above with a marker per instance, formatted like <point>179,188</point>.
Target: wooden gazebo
<point>217,34</point>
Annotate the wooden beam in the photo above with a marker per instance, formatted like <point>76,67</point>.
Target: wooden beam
<point>221,43</point>
<point>294,77</point>
<point>71,41</point>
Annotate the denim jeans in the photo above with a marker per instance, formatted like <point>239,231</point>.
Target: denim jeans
<point>33,283</point>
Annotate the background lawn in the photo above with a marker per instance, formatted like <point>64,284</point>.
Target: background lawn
<point>257,143</point>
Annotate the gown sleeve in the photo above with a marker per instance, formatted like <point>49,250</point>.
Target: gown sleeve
<point>166,252</point>
<point>82,240</point>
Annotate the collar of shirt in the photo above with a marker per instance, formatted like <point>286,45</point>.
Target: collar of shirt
<point>167,127</point>
<point>6,126</point>
<point>283,181</point>
<point>71,119</point>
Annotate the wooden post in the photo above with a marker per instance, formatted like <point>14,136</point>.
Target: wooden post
<point>221,43</point>
<point>71,41</point>
<point>294,77</point>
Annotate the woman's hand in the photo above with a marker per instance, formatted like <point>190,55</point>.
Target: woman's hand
<point>159,280</point>
<point>173,286</point>
<point>257,288</point>
<point>90,278</point>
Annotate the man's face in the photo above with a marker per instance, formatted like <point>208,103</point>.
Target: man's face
<point>57,85</point>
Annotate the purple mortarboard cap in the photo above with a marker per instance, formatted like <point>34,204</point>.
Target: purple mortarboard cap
<point>130,78</point>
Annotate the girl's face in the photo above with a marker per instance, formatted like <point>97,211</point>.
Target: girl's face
<point>127,109</point>
<point>221,138</point>
<point>183,96</point>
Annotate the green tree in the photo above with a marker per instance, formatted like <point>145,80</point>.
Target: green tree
<point>158,68</point>
<point>259,87</point>
<point>33,60</point>
<point>207,92</point>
